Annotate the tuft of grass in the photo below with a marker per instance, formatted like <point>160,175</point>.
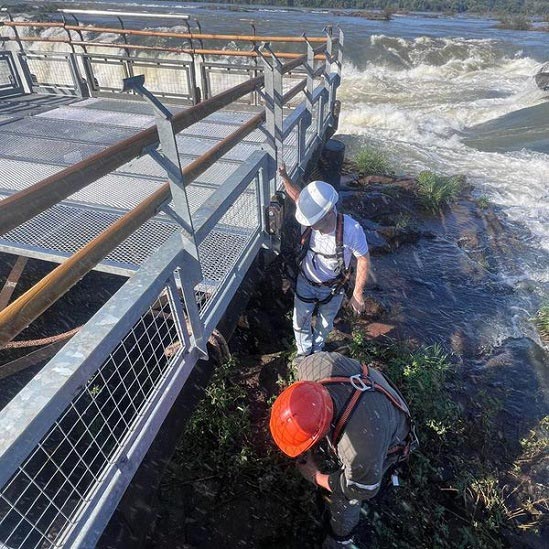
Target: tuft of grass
<point>371,161</point>
<point>542,321</point>
<point>536,444</point>
<point>515,22</point>
<point>436,191</point>
<point>483,202</point>
<point>404,221</point>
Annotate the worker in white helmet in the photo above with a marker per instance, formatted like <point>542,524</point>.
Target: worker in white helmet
<point>329,239</point>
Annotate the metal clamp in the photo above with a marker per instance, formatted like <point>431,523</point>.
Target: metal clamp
<point>357,382</point>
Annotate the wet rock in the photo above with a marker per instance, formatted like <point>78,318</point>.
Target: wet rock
<point>373,308</point>
<point>376,243</point>
<point>377,179</point>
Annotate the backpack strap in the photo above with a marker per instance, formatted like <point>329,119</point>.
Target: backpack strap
<point>339,244</point>
<point>363,383</point>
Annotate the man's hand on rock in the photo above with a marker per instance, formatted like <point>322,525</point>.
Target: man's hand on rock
<point>357,303</point>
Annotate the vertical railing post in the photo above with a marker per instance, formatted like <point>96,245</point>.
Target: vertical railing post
<point>305,122</point>
<point>169,160</point>
<point>79,82</point>
<point>274,118</point>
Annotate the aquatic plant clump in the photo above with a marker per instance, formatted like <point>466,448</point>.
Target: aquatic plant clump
<point>542,322</point>
<point>371,161</point>
<point>435,191</point>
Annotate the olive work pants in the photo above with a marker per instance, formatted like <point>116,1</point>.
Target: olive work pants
<point>344,516</point>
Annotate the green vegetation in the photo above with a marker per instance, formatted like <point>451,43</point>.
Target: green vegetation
<point>542,321</point>
<point>515,22</point>
<point>371,161</point>
<point>435,191</point>
<point>483,202</point>
<point>531,7</point>
<point>226,455</point>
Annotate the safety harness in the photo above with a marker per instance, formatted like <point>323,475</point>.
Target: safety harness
<point>342,274</point>
<point>362,383</point>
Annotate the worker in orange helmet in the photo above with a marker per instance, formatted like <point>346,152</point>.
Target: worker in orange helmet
<point>358,417</point>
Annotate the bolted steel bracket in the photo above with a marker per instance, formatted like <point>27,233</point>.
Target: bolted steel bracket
<point>137,85</point>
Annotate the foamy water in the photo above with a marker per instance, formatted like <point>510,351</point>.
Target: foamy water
<point>415,97</point>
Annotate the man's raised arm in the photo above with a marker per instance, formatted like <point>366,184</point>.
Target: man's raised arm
<point>289,186</point>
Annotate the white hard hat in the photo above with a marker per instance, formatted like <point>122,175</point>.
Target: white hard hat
<point>314,202</point>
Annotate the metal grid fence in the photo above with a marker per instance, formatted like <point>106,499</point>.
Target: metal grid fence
<point>217,77</point>
<point>50,70</point>
<point>225,244</point>
<point>43,497</point>
<point>164,77</point>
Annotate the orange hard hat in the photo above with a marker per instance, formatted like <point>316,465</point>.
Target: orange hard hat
<point>301,416</point>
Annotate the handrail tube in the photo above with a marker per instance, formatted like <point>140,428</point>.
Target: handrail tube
<point>136,47</point>
<point>168,34</point>
<point>290,94</point>
<point>22,206</point>
<point>29,306</point>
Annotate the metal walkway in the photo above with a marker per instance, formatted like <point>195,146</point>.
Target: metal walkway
<point>41,145</point>
<point>177,201</point>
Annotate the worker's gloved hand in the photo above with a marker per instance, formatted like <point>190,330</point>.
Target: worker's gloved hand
<point>357,303</point>
<point>307,467</point>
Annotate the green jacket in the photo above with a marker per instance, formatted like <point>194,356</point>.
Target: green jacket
<point>374,427</point>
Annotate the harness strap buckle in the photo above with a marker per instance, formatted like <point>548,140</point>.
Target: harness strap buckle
<point>357,382</point>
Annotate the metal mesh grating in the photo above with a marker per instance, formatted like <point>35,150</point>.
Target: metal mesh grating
<point>45,493</point>
<point>225,244</point>
<point>6,75</point>
<point>98,116</point>
<point>290,151</point>
<point>34,149</point>
<point>62,230</point>
<point>52,71</point>
<point>165,79</point>
<point>81,131</point>
<point>198,146</point>
<point>108,73</point>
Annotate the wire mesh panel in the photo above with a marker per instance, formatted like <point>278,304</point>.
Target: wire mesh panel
<point>108,71</point>
<point>50,71</point>
<point>10,83</point>
<point>218,77</point>
<point>46,493</point>
<point>225,244</point>
<point>166,78</point>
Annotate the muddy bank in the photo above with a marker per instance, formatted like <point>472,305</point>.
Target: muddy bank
<point>448,309</point>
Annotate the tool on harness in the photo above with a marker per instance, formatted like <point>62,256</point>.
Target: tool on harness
<point>342,274</point>
<point>275,216</point>
<point>363,383</point>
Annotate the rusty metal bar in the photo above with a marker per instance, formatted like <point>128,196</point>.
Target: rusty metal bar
<point>12,281</point>
<point>29,306</point>
<point>168,34</point>
<point>188,51</point>
<point>22,206</point>
<point>290,94</point>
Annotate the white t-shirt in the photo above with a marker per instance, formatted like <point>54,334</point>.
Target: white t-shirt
<point>319,268</point>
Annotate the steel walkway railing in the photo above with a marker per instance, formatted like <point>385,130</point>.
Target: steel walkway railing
<point>73,438</point>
